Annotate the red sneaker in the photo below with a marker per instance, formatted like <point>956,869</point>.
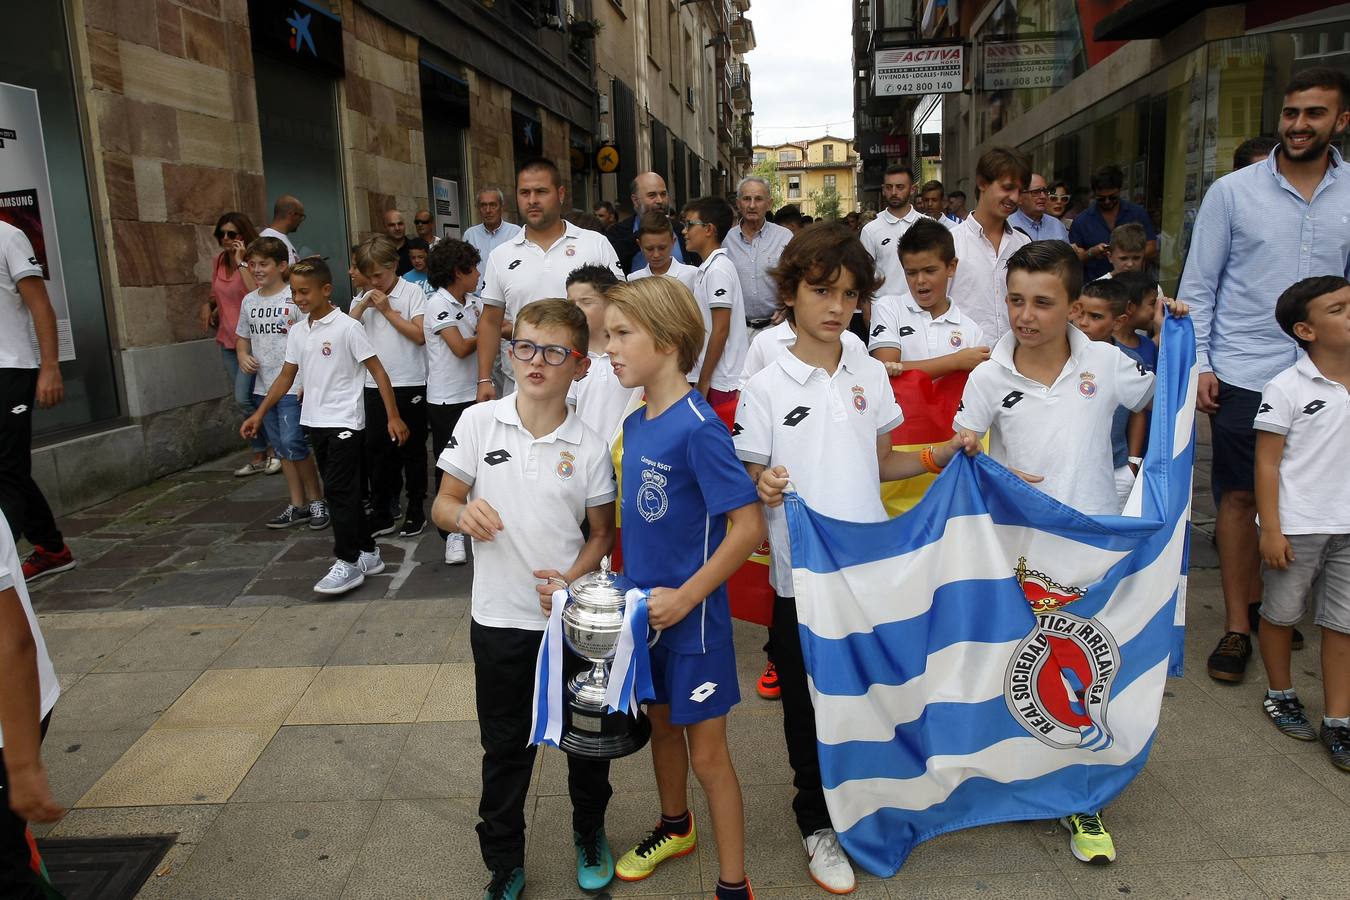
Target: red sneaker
<point>43,562</point>
<point>767,686</point>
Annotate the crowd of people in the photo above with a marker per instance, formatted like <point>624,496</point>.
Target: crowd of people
<point>524,353</point>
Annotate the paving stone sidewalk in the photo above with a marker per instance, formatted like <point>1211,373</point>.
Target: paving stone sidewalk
<point>316,749</point>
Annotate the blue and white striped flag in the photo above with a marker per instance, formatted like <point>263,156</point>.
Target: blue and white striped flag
<point>993,655</point>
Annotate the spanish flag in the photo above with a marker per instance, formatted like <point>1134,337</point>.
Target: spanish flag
<point>929,407</point>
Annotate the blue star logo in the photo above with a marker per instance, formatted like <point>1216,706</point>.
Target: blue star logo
<point>300,25</point>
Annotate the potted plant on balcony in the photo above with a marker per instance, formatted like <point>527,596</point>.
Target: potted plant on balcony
<point>585,29</point>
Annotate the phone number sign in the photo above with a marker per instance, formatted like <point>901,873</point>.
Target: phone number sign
<point>1010,65</point>
<point>919,70</point>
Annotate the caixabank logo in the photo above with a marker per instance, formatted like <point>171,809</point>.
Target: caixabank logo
<point>1058,682</point>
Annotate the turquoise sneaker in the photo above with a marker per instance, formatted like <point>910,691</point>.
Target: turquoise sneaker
<point>595,862</point>
<point>506,884</point>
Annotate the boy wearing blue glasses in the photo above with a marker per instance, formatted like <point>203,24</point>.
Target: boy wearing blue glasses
<point>521,474</point>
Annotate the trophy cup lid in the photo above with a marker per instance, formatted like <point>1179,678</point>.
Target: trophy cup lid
<point>602,589</point>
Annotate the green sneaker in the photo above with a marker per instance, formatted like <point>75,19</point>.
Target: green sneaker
<point>1088,838</point>
<point>506,884</point>
<point>595,862</point>
<point>657,847</point>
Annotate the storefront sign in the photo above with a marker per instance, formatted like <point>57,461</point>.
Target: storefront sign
<point>1009,65</point>
<point>445,197</point>
<point>890,146</point>
<point>919,70</point>
<point>26,199</point>
<point>298,32</point>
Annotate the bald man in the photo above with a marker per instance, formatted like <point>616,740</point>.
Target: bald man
<point>396,228</point>
<point>287,214</point>
<point>648,193</point>
<point>425,224</point>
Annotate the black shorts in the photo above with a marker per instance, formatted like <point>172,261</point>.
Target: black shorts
<point>1234,439</point>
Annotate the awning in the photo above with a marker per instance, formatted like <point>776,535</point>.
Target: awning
<point>1143,19</point>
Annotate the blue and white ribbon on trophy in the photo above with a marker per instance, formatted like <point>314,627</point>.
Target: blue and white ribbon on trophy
<point>630,674</point>
<point>548,678</point>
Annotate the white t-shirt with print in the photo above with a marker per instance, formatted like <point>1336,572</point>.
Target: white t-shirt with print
<point>404,360</point>
<point>265,322</point>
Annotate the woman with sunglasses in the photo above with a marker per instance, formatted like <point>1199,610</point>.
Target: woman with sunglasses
<point>1057,202</point>
<point>230,281</point>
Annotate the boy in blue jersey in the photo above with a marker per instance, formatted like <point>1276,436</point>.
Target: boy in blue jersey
<point>682,488</point>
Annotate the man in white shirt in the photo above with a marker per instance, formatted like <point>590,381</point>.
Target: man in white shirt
<point>287,214</point>
<point>1031,218</point>
<point>492,231</point>
<point>27,379</point>
<point>534,265</point>
<point>984,241</point>
<point>881,236</point>
<point>754,246</point>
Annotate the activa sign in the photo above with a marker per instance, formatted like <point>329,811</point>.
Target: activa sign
<point>919,70</point>
<point>1010,65</point>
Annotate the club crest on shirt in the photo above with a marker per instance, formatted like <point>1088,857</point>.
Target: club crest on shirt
<point>1087,386</point>
<point>566,467</point>
<point>327,349</point>
<point>652,501</point>
<point>570,251</point>
<point>1059,678</point>
<point>859,399</point>
<point>955,340</point>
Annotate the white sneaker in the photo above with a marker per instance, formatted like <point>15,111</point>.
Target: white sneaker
<point>829,866</point>
<point>250,468</point>
<point>369,562</point>
<point>273,465</point>
<point>454,550</point>
<point>340,579</point>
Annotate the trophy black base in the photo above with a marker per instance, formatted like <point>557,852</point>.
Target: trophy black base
<point>590,733</point>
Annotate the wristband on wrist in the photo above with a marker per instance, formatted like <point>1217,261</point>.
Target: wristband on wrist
<point>1136,460</point>
<point>485,381</point>
<point>929,461</point>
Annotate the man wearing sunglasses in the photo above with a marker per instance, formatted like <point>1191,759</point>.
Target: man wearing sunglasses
<point>1090,233</point>
<point>1031,218</point>
<point>426,227</point>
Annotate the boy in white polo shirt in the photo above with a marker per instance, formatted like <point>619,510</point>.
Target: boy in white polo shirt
<point>924,329</point>
<point>391,312</point>
<point>532,266</point>
<point>265,317</point>
<point>331,352</point>
<point>717,288</point>
<point>521,476</point>
<point>599,398</point>
<point>451,323</point>
<point>656,238</point>
<point>822,416</point>
<point>1047,397</point>
<point>1303,501</point>
<point>30,691</point>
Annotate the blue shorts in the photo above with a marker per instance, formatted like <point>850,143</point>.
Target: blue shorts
<point>696,686</point>
<point>281,424</point>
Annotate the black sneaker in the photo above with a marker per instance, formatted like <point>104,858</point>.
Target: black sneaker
<point>1254,620</point>
<point>412,527</point>
<point>1228,662</point>
<point>381,527</point>
<point>1337,742</point>
<point>291,515</point>
<point>1288,716</point>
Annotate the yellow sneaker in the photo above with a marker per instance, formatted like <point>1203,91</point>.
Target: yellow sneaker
<point>657,847</point>
<point>1089,840</point>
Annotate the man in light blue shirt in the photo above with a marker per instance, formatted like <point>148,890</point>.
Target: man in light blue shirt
<point>1259,230</point>
<point>492,231</point>
<point>1032,219</point>
<point>754,246</point>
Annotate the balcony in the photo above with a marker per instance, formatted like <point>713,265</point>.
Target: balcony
<point>742,34</point>
<point>740,5</point>
<point>740,87</point>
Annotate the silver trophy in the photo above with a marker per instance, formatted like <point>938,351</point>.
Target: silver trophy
<point>592,620</point>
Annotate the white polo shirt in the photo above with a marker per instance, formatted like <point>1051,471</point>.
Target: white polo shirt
<point>520,272</point>
<point>404,360</point>
<point>881,237</point>
<point>269,231</point>
<point>11,576</point>
<point>601,400</point>
<point>1061,432</point>
<point>17,262</point>
<point>772,342</point>
<point>718,286</point>
<point>450,379</point>
<point>981,279</point>
<point>331,354</point>
<point>1313,414</point>
<point>682,272</point>
<point>824,429</point>
<point>266,321</point>
<point>900,323</point>
<point>541,489</point>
